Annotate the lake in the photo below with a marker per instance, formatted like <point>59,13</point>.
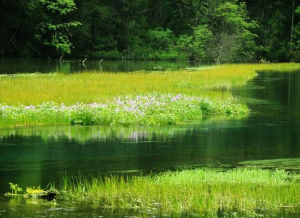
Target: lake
<point>42,155</point>
<point>23,65</point>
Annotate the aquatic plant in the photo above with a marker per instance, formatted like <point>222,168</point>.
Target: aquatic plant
<point>15,190</point>
<point>143,110</point>
<point>205,192</point>
<point>204,91</point>
<point>284,163</point>
<point>88,87</point>
<point>31,192</point>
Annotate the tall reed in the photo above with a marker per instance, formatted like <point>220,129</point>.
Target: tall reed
<point>205,192</point>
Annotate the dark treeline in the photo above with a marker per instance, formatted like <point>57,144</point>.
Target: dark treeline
<point>216,31</point>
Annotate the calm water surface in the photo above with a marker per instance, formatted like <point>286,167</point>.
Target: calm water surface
<point>38,156</point>
<point>23,65</point>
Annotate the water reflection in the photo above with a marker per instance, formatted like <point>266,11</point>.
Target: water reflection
<point>40,208</point>
<point>86,134</point>
<point>23,65</point>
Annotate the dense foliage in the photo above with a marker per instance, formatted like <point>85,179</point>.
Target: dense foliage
<point>205,31</point>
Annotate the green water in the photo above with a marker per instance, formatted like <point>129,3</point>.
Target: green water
<point>23,65</point>
<point>38,156</point>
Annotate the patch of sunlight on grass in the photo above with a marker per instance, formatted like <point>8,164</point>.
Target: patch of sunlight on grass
<point>213,82</point>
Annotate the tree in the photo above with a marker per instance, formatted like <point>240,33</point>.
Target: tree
<point>135,29</point>
<point>296,35</point>
<point>226,36</point>
<point>292,26</point>
<point>195,46</point>
<point>54,27</point>
<point>16,26</point>
<point>233,39</point>
<point>274,32</point>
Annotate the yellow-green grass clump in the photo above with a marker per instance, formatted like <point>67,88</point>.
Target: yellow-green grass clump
<point>206,192</point>
<point>89,87</point>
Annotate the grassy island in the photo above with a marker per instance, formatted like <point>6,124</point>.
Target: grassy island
<point>138,98</point>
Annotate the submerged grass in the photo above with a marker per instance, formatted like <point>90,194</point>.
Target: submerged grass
<point>205,192</point>
<point>205,91</point>
<point>284,163</point>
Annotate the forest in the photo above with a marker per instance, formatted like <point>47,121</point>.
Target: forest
<point>205,31</point>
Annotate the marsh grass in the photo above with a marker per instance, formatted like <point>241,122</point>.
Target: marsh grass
<point>205,192</point>
<point>147,110</point>
<point>213,82</point>
<point>71,98</point>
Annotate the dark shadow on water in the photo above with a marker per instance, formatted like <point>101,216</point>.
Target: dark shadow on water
<point>23,65</point>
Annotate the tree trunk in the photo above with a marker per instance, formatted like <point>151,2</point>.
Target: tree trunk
<point>292,27</point>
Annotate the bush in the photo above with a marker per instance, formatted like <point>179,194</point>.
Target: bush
<point>160,39</point>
